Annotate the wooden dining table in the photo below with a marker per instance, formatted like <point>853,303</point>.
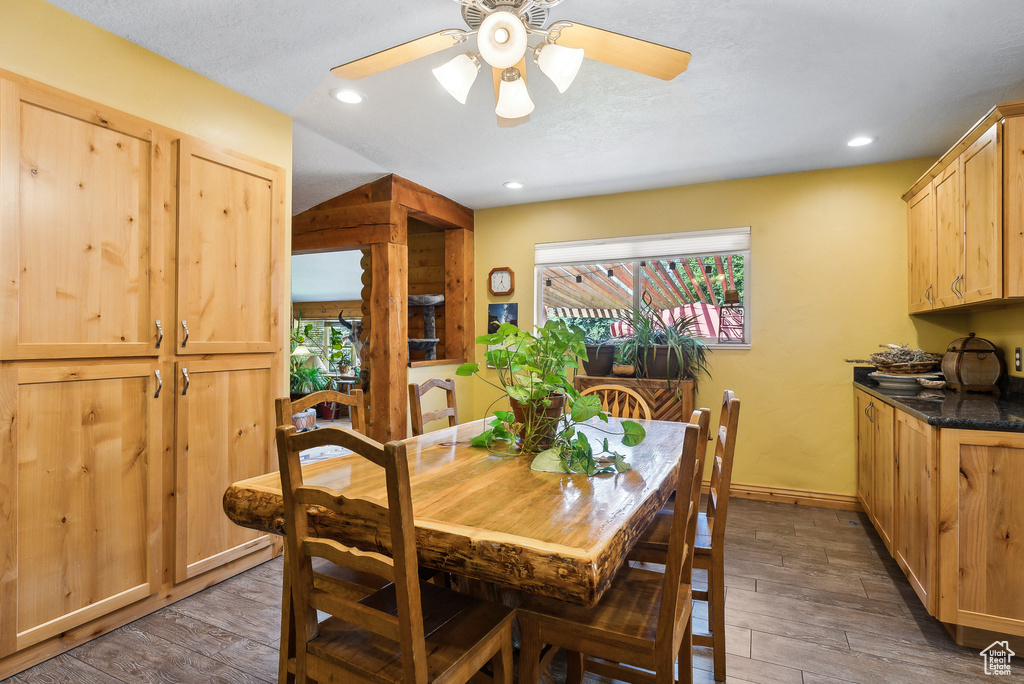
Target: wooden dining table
<point>488,516</point>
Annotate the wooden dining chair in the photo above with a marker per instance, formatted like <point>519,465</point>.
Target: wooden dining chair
<point>709,553</point>
<point>419,419</point>
<point>620,402</point>
<point>645,619</point>
<point>408,631</point>
<point>286,407</point>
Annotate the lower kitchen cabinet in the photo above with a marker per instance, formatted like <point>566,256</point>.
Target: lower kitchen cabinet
<point>80,515</point>
<point>954,520</point>
<point>225,433</point>
<point>981,530</point>
<point>915,522</point>
<point>876,467</point>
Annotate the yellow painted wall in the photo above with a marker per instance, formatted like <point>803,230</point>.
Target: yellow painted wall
<point>827,281</point>
<point>1003,327</point>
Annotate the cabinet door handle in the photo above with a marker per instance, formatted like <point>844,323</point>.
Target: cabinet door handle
<point>184,375</point>
<point>952,286</point>
<point>928,296</point>
<point>184,326</point>
<point>867,411</point>
<point>959,291</point>
<point>159,384</point>
<point>159,333</point>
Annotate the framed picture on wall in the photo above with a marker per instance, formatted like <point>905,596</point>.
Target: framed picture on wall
<point>498,314</point>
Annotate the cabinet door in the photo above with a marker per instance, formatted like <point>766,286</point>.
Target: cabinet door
<point>79,486</point>
<point>225,433</point>
<point>981,559</point>
<point>983,218</point>
<point>230,240</point>
<point>864,405</point>
<point>922,250</point>
<point>78,249</point>
<point>883,473</point>
<point>949,234</point>
<point>914,522</point>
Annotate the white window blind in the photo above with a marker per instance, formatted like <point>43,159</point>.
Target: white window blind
<point>675,245</point>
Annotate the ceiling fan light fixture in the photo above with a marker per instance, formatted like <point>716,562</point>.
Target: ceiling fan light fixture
<point>502,39</point>
<point>559,63</point>
<point>458,75</point>
<point>513,98</point>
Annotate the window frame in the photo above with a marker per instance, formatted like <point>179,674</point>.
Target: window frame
<point>538,269</point>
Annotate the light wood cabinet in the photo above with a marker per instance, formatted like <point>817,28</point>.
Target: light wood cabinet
<point>922,250</point>
<point>981,549</point>
<point>230,218</point>
<point>111,480</point>
<point>914,547</point>
<point>949,233</point>
<point>225,430</point>
<point>79,237</point>
<point>970,204</point>
<point>80,449</point>
<point>951,513</point>
<point>981,167</point>
<point>875,463</point>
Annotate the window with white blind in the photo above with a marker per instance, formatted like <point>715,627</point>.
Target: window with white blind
<point>702,275</point>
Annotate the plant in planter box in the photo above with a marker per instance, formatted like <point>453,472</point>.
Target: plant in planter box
<point>532,371</point>
<point>663,350</point>
<point>600,353</point>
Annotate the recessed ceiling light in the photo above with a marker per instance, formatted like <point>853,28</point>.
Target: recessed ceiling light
<point>348,96</point>
<point>514,185</point>
<point>860,141</point>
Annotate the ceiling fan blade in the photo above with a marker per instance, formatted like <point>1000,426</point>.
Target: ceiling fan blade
<point>496,74</point>
<point>399,55</point>
<point>622,51</point>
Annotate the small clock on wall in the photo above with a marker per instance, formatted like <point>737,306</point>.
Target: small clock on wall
<point>501,281</point>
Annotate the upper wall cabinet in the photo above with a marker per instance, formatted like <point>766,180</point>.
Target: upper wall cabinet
<point>78,232</point>
<point>965,219</point>
<point>230,221</point>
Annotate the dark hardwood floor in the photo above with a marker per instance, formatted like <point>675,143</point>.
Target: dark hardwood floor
<point>812,598</point>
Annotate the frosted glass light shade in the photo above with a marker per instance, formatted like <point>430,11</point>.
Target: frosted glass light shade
<point>457,76</point>
<point>513,98</point>
<point>559,63</point>
<point>502,39</point>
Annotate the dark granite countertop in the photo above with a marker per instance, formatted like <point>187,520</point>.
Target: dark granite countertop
<point>948,409</point>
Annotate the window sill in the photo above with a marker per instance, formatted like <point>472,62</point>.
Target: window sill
<point>716,346</point>
<point>435,362</point>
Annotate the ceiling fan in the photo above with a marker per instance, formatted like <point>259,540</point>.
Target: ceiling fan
<point>504,29</point>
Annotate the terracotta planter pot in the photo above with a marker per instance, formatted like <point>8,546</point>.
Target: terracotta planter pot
<point>327,410</point>
<point>542,422</point>
<point>600,358</point>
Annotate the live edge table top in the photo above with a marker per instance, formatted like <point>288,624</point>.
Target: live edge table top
<point>490,517</point>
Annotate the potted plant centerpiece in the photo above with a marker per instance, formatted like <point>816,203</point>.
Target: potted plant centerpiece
<point>660,349</point>
<point>532,370</point>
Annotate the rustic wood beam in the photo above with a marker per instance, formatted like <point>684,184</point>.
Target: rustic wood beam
<point>328,310</point>
<point>339,228</point>
<point>458,294</point>
<point>429,206</point>
<point>389,347</point>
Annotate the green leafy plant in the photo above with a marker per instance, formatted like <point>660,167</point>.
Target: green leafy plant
<point>532,370</point>
<point>306,379</point>
<point>649,331</point>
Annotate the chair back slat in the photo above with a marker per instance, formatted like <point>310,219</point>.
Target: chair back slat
<point>368,618</point>
<point>347,557</point>
<point>620,402</point>
<point>679,563</point>
<point>416,414</point>
<point>721,471</point>
<point>355,509</point>
<point>285,407</point>
<point>397,524</point>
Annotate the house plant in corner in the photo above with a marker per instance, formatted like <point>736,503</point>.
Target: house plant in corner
<point>532,370</point>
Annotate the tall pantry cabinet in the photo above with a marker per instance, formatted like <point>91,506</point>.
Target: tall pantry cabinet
<point>140,300</point>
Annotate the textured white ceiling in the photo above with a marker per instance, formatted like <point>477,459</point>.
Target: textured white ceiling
<point>773,87</point>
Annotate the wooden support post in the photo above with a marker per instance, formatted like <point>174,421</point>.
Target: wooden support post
<point>458,294</point>
<point>389,348</point>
